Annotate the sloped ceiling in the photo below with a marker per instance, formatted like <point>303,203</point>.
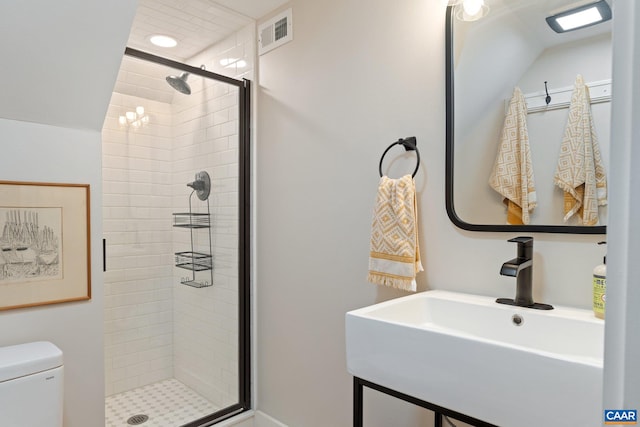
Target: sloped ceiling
<point>493,53</point>
<point>195,24</point>
<point>253,8</point>
<point>60,59</point>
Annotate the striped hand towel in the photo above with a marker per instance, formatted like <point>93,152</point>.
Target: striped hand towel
<point>394,257</point>
<point>580,172</point>
<point>512,174</point>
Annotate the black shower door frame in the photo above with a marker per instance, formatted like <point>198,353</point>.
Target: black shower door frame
<point>244,313</point>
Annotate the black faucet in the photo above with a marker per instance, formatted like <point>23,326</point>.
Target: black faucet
<point>522,269</point>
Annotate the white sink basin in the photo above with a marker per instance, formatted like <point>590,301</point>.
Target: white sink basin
<point>465,353</point>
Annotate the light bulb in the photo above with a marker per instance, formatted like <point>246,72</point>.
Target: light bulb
<point>472,7</point>
<point>140,110</point>
<point>471,10</point>
<point>122,120</point>
<point>131,116</point>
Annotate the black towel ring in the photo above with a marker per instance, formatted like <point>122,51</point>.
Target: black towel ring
<point>409,144</point>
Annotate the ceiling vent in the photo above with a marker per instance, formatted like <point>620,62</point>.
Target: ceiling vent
<point>275,32</point>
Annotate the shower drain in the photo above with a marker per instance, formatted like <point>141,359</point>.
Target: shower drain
<point>137,419</point>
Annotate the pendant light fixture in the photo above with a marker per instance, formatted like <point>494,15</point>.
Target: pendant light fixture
<point>470,10</point>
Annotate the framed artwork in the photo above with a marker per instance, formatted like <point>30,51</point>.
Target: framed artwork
<point>44,244</point>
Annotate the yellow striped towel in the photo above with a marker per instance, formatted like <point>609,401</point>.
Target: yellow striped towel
<point>512,174</point>
<point>394,257</point>
<point>580,172</point>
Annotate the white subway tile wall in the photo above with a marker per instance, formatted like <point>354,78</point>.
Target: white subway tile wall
<point>156,328</point>
<point>137,225</point>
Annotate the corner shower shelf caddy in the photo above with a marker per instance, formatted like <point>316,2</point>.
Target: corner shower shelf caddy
<point>192,260</point>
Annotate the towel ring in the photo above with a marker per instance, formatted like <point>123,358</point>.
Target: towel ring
<point>409,144</point>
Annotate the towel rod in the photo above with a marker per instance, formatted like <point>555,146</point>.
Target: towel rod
<point>599,91</point>
<point>410,144</point>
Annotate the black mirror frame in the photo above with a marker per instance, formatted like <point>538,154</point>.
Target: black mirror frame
<point>453,216</point>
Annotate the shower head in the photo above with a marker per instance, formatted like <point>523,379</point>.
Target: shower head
<point>180,83</point>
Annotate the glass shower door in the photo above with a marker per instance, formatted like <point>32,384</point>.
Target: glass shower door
<point>177,264</point>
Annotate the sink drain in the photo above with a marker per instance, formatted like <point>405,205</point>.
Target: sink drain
<point>517,320</point>
<point>137,419</point>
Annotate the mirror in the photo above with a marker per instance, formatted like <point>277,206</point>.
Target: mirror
<point>486,60</point>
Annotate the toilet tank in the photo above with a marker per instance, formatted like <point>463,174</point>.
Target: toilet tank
<point>31,385</point>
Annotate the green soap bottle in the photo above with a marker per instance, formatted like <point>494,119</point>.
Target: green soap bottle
<point>600,288</point>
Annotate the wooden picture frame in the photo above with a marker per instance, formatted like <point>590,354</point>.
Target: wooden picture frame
<point>45,243</point>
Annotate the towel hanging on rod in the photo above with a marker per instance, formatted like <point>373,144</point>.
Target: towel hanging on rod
<point>410,144</point>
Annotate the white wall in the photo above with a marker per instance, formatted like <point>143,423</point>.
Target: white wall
<point>205,130</point>
<point>490,57</point>
<point>62,74</point>
<point>355,78</point>
<point>136,172</point>
<point>42,153</point>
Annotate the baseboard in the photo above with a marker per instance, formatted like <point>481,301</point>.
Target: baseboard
<point>263,420</point>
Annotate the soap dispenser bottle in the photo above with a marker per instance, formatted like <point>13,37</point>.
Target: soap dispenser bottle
<point>600,287</point>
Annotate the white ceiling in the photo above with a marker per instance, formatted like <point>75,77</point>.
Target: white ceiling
<point>199,24</point>
<point>60,60</point>
<point>195,24</point>
<point>255,9</point>
<point>530,15</point>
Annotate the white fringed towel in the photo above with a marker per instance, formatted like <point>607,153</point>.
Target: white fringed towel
<point>512,174</point>
<point>580,172</point>
<point>394,257</point>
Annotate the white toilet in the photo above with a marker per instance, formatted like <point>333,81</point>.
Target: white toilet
<point>31,385</point>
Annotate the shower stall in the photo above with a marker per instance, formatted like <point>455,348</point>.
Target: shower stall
<point>176,230</point>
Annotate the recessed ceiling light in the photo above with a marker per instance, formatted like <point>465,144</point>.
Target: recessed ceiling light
<point>163,41</point>
<point>580,17</point>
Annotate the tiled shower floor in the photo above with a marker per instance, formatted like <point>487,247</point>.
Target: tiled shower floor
<point>168,403</point>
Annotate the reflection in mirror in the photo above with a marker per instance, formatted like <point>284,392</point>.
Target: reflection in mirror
<point>513,47</point>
